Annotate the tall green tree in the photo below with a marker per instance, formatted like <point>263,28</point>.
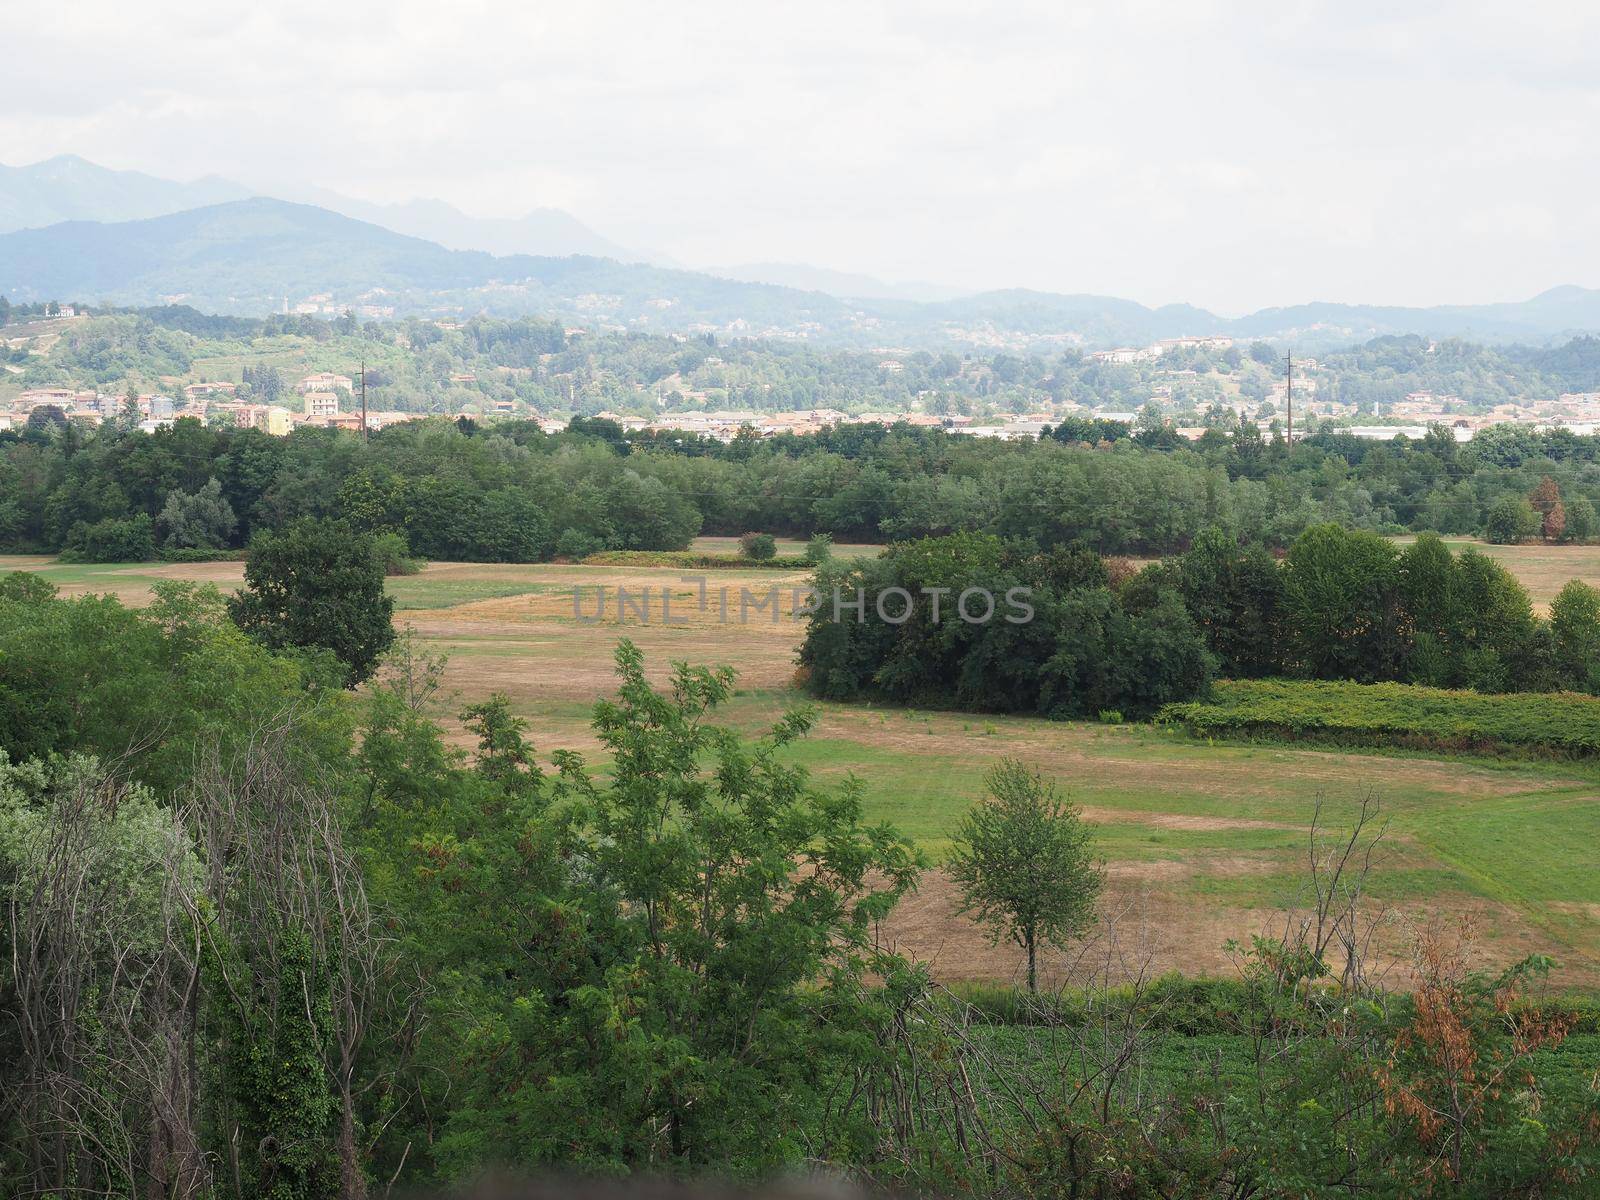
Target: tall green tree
<point>201,520</point>
<point>1342,605</point>
<point>317,586</point>
<point>1428,589</point>
<point>1510,519</point>
<point>1234,596</point>
<point>1025,864</point>
<point>1575,632</point>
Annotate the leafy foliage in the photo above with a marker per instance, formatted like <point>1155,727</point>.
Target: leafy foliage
<point>203,520</point>
<point>1024,861</point>
<point>1395,714</point>
<point>761,547</point>
<point>970,621</point>
<point>244,952</point>
<point>317,586</point>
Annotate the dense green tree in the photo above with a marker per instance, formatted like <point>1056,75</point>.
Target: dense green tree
<point>202,520</point>
<point>126,539</point>
<point>1111,657</point>
<point>317,586</point>
<point>510,526</point>
<point>1429,591</point>
<point>1341,605</point>
<point>1234,596</point>
<point>1582,523</point>
<point>972,621</point>
<point>1510,519</point>
<point>665,948</point>
<point>142,688</point>
<point>1575,633</point>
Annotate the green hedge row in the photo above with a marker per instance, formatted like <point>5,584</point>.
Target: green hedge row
<point>171,555</point>
<point>1552,724</point>
<point>1194,1006</point>
<point>199,556</point>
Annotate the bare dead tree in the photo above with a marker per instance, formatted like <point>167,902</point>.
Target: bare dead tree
<point>414,672</point>
<point>1337,870</point>
<point>278,869</point>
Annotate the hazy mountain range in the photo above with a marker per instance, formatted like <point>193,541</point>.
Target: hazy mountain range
<point>69,188</point>
<point>260,255</point>
<point>70,230</point>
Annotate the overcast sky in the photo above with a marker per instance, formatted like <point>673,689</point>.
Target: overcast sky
<point>1229,155</point>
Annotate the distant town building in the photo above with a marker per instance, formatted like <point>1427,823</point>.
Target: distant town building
<point>1209,342</point>
<point>325,381</point>
<point>200,391</point>
<point>1126,354</point>
<point>1387,433</point>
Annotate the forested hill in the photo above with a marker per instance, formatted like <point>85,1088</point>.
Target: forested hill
<point>487,364</point>
<point>259,255</point>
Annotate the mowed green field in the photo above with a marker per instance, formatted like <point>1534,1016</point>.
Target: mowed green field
<point>1203,842</point>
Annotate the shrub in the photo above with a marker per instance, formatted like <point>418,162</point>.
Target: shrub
<point>25,587</point>
<point>759,546</point>
<point>687,558</point>
<point>819,549</point>
<point>576,545</point>
<point>115,539</point>
<point>194,554</point>
<point>393,556</point>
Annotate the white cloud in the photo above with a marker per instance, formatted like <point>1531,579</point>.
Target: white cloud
<point>1229,154</point>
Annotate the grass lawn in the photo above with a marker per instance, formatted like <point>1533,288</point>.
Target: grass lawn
<point>730,545</point>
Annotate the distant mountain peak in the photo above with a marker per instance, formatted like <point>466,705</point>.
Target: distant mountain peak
<point>69,187</point>
<point>1564,291</point>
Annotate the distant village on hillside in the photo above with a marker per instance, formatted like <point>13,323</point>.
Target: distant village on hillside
<point>332,399</point>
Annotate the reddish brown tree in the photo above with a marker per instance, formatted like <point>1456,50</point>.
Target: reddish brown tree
<point>1546,501</point>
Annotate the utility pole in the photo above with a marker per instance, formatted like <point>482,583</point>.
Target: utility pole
<point>1288,397</point>
<point>363,400</point>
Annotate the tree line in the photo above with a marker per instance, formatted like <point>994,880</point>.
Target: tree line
<point>509,492</point>
<point>1101,639</point>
